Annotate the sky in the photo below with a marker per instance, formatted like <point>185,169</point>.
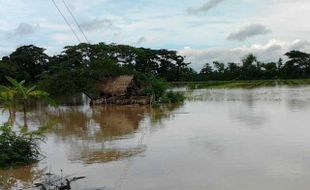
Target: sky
<point>201,30</point>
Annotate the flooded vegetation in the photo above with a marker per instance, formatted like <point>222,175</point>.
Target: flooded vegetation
<point>218,139</point>
<point>242,83</point>
<point>105,95</point>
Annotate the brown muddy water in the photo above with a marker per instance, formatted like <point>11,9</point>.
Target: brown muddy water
<point>236,139</point>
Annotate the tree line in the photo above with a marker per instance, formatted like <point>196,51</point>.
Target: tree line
<point>78,67</point>
<point>297,66</point>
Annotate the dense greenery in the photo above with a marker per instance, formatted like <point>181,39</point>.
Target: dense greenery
<point>172,97</point>
<point>297,66</point>
<point>25,63</point>
<point>30,63</point>
<point>78,68</point>
<point>17,149</point>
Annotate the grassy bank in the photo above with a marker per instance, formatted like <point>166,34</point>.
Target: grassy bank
<point>241,84</point>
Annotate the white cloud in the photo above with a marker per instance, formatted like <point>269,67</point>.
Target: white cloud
<point>64,39</point>
<point>288,18</point>
<point>211,4</point>
<point>46,24</point>
<point>141,40</point>
<point>164,23</point>
<point>97,24</point>
<point>5,51</point>
<point>23,29</point>
<point>299,44</point>
<point>83,5</point>
<point>248,32</point>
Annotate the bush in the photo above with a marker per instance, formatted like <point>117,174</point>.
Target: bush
<point>17,149</point>
<point>172,97</point>
<point>153,85</point>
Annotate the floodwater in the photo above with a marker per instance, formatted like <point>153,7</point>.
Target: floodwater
<point>219,139</point>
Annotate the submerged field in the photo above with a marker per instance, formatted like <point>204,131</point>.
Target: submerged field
<point>219,139</point>
<point>241,84</point>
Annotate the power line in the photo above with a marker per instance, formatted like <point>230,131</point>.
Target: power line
<point>75,20</point>
<point>67,22</point>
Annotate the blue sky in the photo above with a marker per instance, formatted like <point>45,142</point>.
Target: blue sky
<point>201,30</point>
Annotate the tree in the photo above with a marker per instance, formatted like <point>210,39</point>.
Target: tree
<point>31,61</point>
<point>219,72</point>
<point>251,68</point>
<point>280,64</point>
<point>8,69</point>
<point>269,70</point>
<point>298,64</point>
<point>65,78</point>
<point>233,71</point>
<point>219,67</point>
<point>162,63</point>
<point>207,71</point>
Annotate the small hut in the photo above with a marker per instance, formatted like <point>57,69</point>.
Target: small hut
<point>121,90</point>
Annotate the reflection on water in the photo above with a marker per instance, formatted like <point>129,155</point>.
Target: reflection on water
<point>118,121</point>
<point>23,176</point>
<point>237,139</point>
<point>85,135</point>
<point>89,156</point>
<point>98,124</point>
<point>89,132</point>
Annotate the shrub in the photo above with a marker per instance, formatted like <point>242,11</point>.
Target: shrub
<point>17,149</point>
<point>153,85</point>
<point>172,97</point>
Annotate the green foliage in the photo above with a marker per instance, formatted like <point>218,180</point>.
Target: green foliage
<point>78,68</point>
<point>297,66</point>
<point>64,78</point>
<point>158,88</point>
<point>31,62</point>
<point>172,98</point>
<point>207,71</point>
<point>153,86</point>
<point>7,95</point>
<point>66,83</point>
<point>17,149</point>
<point>21,94</point>
<point>7,68</point>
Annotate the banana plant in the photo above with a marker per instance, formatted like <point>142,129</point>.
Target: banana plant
<point>20,94</point>
<point>7,101</point>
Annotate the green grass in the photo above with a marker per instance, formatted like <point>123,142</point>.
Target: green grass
<point>248,84</point>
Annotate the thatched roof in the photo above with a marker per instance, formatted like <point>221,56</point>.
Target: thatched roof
<point>116,85</point>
